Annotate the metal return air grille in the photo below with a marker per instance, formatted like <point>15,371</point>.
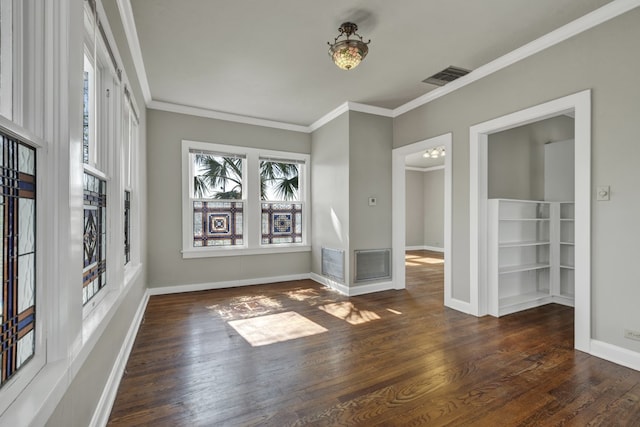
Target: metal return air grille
<point>447,75</point>
<point>333,263</point>
<point>373,264</point>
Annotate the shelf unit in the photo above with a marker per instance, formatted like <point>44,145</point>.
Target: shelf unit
<point>530,257</point>
<point>563,253</point>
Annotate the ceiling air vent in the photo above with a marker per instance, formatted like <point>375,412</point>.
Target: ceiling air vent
<point>447,75</point>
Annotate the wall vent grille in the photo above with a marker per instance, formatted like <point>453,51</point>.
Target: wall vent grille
<point>333,263</point>
<point>372,264</point>
<point>447,75</point>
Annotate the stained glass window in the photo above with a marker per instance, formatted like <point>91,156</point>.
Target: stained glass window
<point>127,226</point>
<point>95,236</point>
<point>281,223</point>
<point>217,223</point>
<point>18,252</point>
<point>281,219</point>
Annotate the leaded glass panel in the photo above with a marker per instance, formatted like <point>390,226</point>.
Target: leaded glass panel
<point>281,223</point>
<point>217,223</point>
<point>18,253</point>
<point>127,226</point>
<point>95,233</point>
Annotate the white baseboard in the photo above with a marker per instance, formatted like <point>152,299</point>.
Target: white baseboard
<point>459,305</point>
<point>354,290</point>
<point>193,287</point>
<point>424,248</point>
<point>615,354</point>
<point>108,397</point>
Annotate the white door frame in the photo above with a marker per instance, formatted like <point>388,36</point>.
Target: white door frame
<point>399,214</point>
<point>580,105</point>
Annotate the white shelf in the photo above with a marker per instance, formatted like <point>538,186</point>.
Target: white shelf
<point>525,219</point>
<point>521,244</point>
<point>530,254</point>
<point>518,268</point>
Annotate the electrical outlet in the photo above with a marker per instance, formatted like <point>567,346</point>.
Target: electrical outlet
<point>632,335</point>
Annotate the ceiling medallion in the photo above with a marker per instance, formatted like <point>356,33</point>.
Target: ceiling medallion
<point>348,53</point>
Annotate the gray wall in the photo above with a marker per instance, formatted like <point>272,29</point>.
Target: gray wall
<point>370,140</point>
<point>424,208</point>
<point>581,62</point>
<point>166,265</point>
<point>516,158</point>
<point>434,208</point>
<point>414,218</point>
<point>330,190</point>
<point>79,402</point>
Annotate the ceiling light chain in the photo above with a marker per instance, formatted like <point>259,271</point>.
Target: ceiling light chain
<point>348,53</point>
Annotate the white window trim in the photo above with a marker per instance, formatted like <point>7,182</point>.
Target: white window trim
<point>14,386</point>
<point>7,63</point>
<point>251,200</point>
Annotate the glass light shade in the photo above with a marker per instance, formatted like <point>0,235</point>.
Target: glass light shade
<point>347,54</point>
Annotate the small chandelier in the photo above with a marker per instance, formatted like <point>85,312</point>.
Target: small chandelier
<point>348,53</point>
<point>434,153</point>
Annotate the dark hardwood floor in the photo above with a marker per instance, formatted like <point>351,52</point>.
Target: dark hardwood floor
<point>396,358</point>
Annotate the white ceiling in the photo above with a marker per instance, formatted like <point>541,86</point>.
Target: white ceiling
<point>416,160</point>
<point>268,59</point>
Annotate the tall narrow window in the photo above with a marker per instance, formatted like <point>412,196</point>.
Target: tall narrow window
<point>6,58</point>
<point>95,233</point>
<point>217,199</point>
<point>281,205</point>
<point>127,226</point>
<point>88,112</point>
<point>18,252</point>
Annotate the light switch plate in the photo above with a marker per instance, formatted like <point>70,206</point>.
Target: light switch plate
<point>603,193</point>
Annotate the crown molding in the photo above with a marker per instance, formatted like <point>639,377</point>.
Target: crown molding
<point>329,117</point>
<point>212,114</point>
<point>129,24</point>
<point>584,23</point>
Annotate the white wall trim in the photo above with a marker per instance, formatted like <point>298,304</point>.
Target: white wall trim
<point>353,290</point>
<point>212,114</point>
<point>580,103</point>
<point>429,169</point>
<point>398,195</point>
<point>615,354</point>
<point>193,287</point>
<point>131,33</point>
<point>370,109</point>
<point>336,112</point>
<point>584,23</point>
<point>330,283</point>
<point>108,396</point>
<point>424,248</point>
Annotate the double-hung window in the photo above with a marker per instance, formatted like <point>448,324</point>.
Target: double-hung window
<point>240,200</point>
<point>99,116</point>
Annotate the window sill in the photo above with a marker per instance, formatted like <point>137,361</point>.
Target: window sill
<point>222,252</point>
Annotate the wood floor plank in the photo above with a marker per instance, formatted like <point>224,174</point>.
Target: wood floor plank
<point>394,358</point>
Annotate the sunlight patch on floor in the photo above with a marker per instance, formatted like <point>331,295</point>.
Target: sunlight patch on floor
<point>246,306</point>
<point>348,312</point>
<point>423,260</point>
<point>273,328</point>
<point>391,310</point>
<point>303,294</point>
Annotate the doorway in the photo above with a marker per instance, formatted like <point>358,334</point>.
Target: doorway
<point>579,106</point>
<point>399,191</point>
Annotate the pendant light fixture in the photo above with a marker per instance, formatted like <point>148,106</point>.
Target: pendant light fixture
<point>347,53</point>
